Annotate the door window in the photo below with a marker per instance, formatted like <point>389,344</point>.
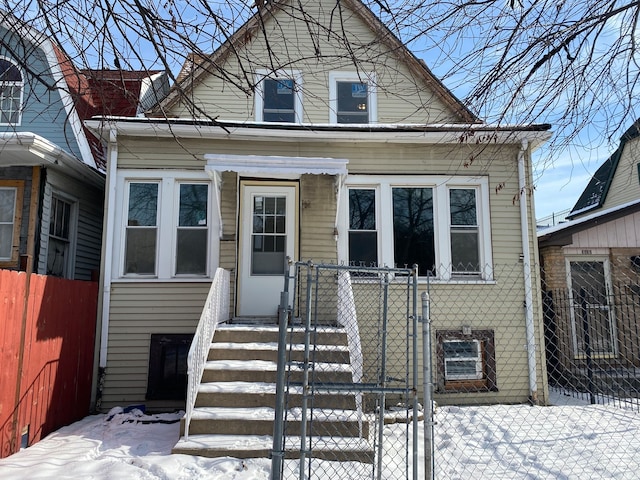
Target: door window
<point>269,235</point>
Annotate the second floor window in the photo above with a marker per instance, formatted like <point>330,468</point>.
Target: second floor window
<point>278,97</point>
<point>11,87</point>
<point>352,98</point>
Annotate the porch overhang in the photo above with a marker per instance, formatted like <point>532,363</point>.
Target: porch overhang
<point>272,167</point>
<point>267,165</point>
<point>27,149</point>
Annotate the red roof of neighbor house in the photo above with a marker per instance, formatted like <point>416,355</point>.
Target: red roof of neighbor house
<point>116,92</point>
<point>101,92</point>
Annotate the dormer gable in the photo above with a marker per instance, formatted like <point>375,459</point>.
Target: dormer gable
<point>312,62</point>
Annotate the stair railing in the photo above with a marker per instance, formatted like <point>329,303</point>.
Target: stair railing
<point>348,318</point>
<point>216,310</point>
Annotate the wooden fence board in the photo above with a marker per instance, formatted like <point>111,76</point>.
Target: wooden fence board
<point>55,384</point>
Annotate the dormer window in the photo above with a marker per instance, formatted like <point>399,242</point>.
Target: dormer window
<point>11,87</point>
<point>278,97</point>
<point>352,98</point>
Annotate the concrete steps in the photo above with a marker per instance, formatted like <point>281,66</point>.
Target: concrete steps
<point>235,404</point>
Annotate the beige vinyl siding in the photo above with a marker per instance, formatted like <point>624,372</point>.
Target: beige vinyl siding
<point>137,311</point>
<point>318,218</point>
<point>402,98</point>
<point>132,322</point>
<point>625,185</point>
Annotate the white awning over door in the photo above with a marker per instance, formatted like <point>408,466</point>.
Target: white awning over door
<point>263,165</point>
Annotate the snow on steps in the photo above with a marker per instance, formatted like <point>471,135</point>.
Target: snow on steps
<point>235,404</point>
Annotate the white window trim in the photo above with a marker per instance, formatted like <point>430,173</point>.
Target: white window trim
<point>21,85</point>
<point>258,96</point>
<point>442,219</point>
<point>478,359</point>
<point>175,226</point>
<point>573,303</point>
<point>73,230</point>
<point>342,76</point>
<point>12,223</point>
<point>168,201</point>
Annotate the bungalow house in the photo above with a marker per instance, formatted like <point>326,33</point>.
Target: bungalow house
<point>281,144</point>
<point>591,277</point>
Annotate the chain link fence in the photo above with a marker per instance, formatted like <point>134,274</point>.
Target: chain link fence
<point>350,370</point>
<point>538,384</point>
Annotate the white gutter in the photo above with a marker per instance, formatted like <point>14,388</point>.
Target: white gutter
<point>528,284</point>
<point>109,228</point>
<point>377,133</point>
<point>45,153</point>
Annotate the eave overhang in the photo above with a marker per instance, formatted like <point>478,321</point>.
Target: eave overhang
<point>480,134</point>
<point>26,149</point>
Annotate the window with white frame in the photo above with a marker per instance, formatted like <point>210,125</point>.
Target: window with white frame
<point>193,229</point>
<point>465,254</point>
<point>141,231</point>
<point>278,97</point>
<point>352,97</point>
<point>440,224</point>
<point>8,204</point>
<point>11,92</point>
<point>462,359</point>
<point>166,224</point>
<point>61,219</point>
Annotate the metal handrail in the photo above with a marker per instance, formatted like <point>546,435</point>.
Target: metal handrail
<point>216,310</point>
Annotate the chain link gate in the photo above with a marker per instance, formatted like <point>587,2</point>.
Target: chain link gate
<point>347,395</point>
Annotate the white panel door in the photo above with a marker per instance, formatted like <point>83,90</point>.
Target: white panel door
<point>267,238</point>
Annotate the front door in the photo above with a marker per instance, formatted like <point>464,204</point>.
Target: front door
<point>594,325</point>
<point>268,219</point>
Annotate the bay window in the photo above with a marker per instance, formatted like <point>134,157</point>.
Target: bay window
<point>440,224</point>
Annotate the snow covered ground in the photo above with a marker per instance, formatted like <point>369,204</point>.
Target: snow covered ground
<point>493,442</point>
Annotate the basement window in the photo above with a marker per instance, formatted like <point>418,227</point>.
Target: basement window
<point>168,366</point>
<point>466,362</point>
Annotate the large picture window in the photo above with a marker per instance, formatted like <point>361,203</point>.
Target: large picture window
<point>443,228</point>
<point>278,97</point>
<point>11,91</point>
<point>166,226</point>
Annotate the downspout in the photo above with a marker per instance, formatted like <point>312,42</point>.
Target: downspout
<point>104,297</point>
<point>340,179</point>
<point>528,286</point>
